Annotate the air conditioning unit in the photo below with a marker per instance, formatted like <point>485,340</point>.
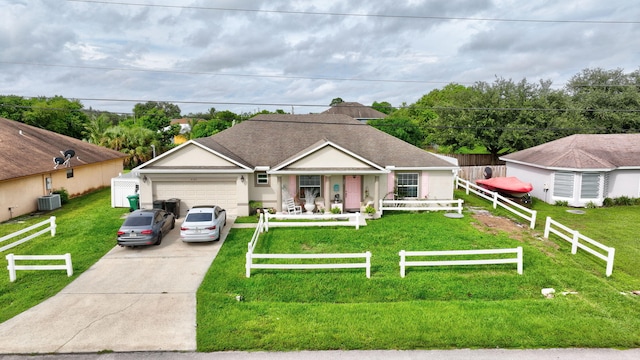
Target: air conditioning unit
<point>50,202</point>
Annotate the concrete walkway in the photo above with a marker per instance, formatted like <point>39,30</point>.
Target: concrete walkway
<point>141,299</point>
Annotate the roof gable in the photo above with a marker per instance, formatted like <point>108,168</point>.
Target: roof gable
<point>326,155</point>
<point>28,150</point>
<point>355,110</point>
<point>191,155</point>
<point>583,151</point>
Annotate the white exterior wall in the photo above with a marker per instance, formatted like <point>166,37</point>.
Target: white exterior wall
<point>539,179</point>
<point>441,184</point>
<point>623,183</point>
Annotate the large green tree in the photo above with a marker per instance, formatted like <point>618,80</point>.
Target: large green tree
<point>56,114</point>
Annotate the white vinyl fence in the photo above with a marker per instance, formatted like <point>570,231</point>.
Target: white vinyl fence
<point>353,219</point>
<point>421,205</point>
<point>12,267</point>
<point>51,228</point>
<point>574,238</point>
<point>348,265</point>
<point>493,196</point>
<point>517,260</point>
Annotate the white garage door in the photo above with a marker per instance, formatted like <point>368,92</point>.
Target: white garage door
<point>221,193</point>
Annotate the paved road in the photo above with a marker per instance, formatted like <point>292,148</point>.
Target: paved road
<point>141,299</point>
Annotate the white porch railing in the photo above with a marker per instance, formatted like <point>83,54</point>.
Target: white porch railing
<point>421,205</point>
<point>51,228</point>
<point>493,196</point>
<point>263,226</point>
<point>353,219</point>
<point>574,238</point>
<point>12,267</point>
<point>517,260</point>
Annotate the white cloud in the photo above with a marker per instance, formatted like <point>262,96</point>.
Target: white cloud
<point>65,48</point>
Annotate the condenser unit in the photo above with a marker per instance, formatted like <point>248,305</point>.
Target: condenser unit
<point>50,202</point>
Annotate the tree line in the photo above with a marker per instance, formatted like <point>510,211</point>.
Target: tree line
<point>498,117</point>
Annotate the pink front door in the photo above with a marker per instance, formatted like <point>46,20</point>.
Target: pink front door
<point>352,192</point>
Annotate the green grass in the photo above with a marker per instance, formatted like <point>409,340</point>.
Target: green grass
<point>86,229</point>
<point>447,307</point>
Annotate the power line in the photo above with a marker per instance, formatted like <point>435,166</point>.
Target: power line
<point>290,77</point>
<point>384,16</point>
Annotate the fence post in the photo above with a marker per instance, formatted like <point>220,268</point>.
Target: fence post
<point>402,263</point>
<point>265,223</point>
<point>380,207</point>
<point>533,220</point>
<point>519,253</point>
<point>547,226</point>
<point>357,220</point>
<point>612,253</point>
<point>574,242</point>
<point>495,200</point>
<point>460,201</point>
<point>248,265</point>
<point>368,254</point>
<point>11,267</point>
<point>67,262</point>
<point>53,225</point>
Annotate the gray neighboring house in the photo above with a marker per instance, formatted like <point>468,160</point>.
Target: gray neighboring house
<point>271,157</point>
<point>580,168</point>
<point>356,110</point>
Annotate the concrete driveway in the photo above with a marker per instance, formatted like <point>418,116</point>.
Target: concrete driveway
<point>141,299</point>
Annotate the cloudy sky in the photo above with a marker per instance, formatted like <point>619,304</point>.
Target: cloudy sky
<point>247,56</point>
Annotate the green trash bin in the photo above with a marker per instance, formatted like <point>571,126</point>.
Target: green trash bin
<point>134,202</point>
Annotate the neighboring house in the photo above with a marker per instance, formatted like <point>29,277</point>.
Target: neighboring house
<point>185,128</point>
<point>580,168</point>
<point>356,110</point>
<point>272,157</point>
<point>30,171</point>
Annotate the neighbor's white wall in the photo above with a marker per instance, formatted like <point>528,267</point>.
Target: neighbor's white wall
<point>537,177</point>
<point>623,183</point>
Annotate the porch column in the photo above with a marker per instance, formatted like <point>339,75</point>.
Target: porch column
<point>376,191</point>
<point>327,192</point>
<point>279,194</point>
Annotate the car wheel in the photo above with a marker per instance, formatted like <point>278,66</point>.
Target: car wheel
<point>173,224</point>
<point>159,241</point>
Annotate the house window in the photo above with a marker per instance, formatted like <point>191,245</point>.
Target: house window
<point>309,182</point>
<point>563,184</point>
<point>590,188</point>
<point>262,178</point>
<point>69,173</point>
<point>407,184</point>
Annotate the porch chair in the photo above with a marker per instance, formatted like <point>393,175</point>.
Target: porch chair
<point>292,208</point>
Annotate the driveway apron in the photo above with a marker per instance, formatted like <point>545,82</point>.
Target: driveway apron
<point>141,299</point>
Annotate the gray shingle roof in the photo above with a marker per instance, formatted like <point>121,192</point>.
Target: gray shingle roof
<point>583,151</point>
<point>355,110</point>
<point>28,150</point>
<point>271,139</point>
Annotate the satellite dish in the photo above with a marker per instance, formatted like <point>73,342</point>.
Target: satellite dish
<point>68,154</point>
<point>487,172</point>
<point>58,161</point>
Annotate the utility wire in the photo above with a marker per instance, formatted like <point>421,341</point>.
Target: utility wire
<point>384,16</point>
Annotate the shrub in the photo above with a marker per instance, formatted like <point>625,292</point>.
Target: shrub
<point>370,210</point>
<point>623,201</point>
<point>335,210</point>
<point>608,202</point>
<point>64,195</point>
<point>591,205</point>
<point>561,203</point>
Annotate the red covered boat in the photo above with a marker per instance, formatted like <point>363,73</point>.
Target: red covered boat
<point>510,186</point>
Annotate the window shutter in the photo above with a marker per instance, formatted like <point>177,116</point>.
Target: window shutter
<point>590,186</point>
<point>563,184</point>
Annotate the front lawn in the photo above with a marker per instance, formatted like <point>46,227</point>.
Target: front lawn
<point>86,229</point>
<point>446,307</point>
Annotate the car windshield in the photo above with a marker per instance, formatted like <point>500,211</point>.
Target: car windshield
<point>197,217</point>
<point>138,221</point>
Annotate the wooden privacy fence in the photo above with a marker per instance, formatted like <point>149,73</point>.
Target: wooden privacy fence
<point>419,204</point>
<point>472,173</point>
<point>353,219</point>
<point>51,228</point>
<point>574,238</point>
<point>498,199</point>
<point>262,226</point>
<point>11,258</point>
<point>517,260</point>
